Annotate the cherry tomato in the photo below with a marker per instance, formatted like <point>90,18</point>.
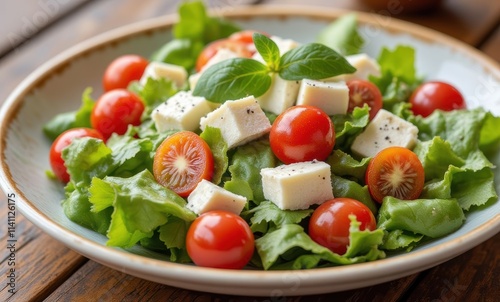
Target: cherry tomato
<point>123,70</point>
<point>115,110</point>
<point>61,142</point>
<point>329,224</point>
<point>435,95</point>
<point>363,92</point>
<point>182,161</point>
<point>397,172</point>
<point>220,239</point>
<point>242,49</point>
<point>302,133</point>
<point>245,36</point>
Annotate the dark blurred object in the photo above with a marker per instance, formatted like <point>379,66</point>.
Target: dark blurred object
<point>403,6</point>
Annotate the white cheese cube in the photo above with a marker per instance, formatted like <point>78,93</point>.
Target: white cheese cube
<point>221,55</point>
<point>331,97</point>
<point>297,186</point>
<point>385,130</point>
<point>240,121</point>
<point>207,196</point>
<point>281,95</point>
<point>156,70</point>
<point>284,45</point>
<point>182,111</point>
<point>193,80</point>
<point>365,66</point>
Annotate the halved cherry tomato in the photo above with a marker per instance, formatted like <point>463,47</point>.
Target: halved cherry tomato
<point>302,133</point>
<point>123,70</point>
<point>363,92</point>
<point>329,224</point>
<point>435,95</point>
<point>397,172</point>
<point>115,110</point>
<point>61,142</point>
<point>240,48</point>
<point>220,239</point>
<point>182,161</point>
<point>245,36</point>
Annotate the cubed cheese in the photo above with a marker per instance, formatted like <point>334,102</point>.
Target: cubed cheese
<point>182,111</point>
<point>240,121</point>
<point>284,45</point>
<point>297,186</point>
<point>365,66</point>
<point>209,197</point>
<point>385,130</point>
<point>281,95</point>
<point>221,55</point>
<point>331,97</point>
<point>156,70</point>
<point>193,80</point>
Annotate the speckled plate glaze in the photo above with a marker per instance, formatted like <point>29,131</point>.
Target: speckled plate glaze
<point>57,86</point>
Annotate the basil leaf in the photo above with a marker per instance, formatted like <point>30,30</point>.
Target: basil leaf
<point>268,49</point>
<point>182,52</point>
<point>233,79</point>
<point>313,61</point>
<point>342,35</point>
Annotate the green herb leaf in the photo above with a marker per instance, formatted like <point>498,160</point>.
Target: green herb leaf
<point>233,79</point>
<point>182,52</point>
<point>313,61</point>
<point>268,49</point>
<point>342,35</point>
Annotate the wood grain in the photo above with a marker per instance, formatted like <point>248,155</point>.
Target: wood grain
<point>50,271</point>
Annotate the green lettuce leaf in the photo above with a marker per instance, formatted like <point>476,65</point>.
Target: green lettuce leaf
<point>342,35</point>
<point>218,146</point>
<point>73,119</point>
<point>140,206</point>
<point>343,187</point>
<point>267,216</point>
<point>348,126</point>
<point>154,92</point>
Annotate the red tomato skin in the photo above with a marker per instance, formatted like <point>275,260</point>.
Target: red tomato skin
<point>436,95</point>
<point>302,133</point>
<point>329,224</point>
<point>61,142</point>
<point>220,239</point>
<point>115,110</point>
<point>364,92</point>
<point>123,70</point>
<point>243,50</point>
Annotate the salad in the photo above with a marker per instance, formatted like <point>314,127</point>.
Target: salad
<point>233,148</point>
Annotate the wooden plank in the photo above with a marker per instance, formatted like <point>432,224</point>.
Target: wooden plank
<point>105,283</point>
<point>35,264</point>
<point>23,19</point>
<point>472,276</point>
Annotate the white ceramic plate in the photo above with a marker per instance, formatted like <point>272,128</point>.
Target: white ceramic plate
<point>56,87</point>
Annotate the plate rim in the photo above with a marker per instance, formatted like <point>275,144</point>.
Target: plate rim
<point>143,266</point>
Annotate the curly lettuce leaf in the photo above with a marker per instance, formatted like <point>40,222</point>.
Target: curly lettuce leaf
<point>348,126</point>
<point>343,187</point>
<point>267,216</point>
<point>73,119</point>
<point>140,205</point>
<point>342,35</point>
<point>432,218</point>
<point>289,247</point>
<point>218,146</point>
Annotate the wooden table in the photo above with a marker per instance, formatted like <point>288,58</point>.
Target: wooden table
<point>34,31</point>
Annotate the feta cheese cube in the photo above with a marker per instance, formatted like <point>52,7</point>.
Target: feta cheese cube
<point>221,55</point>
<point>331,97</point>
<point>365,66</point>
<point>182,111</point>
<point>156,70</point>
<point>284,45</point>
<point>297,186</point>
<point>385,130</point>
<point>208,196</point>
<point>281,95</point>
<point>193,80</point>
<point>240,121</point>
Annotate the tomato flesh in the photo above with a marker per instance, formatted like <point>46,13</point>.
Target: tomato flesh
<point>396,172</point>
<point>61,142</point>
<point>115,110</point>
<point>302,133</point>
<point>363,92</point>
<point>436,95</point>
<point>220,239</point>
<point>329,224</point>
<point>123,70</point>
<point>182,161</point>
